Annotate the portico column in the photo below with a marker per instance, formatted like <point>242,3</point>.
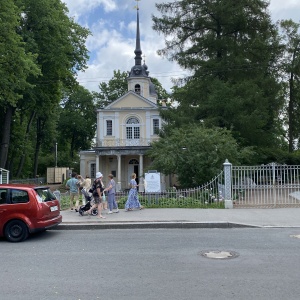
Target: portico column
<point>97,162</point>
<point>141,164</point>
<point>118,187</point>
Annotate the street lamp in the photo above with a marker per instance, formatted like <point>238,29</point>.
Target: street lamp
<point>55,155</point>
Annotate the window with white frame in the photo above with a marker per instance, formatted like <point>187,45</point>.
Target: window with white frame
<point>132,128</point>
<point>109,127</point>
<point>155,126</point>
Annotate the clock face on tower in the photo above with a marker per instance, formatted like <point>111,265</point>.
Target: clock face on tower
<point>137,71</point>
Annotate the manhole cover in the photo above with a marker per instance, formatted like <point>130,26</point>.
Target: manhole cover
<point>297,236</point>
<point>216,254</point>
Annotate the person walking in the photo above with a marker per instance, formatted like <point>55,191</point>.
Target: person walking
<point>98,189</point>
<point>133,201</point>
<point>72,186</point>
<point>85,183</point>
<point>111,192</point>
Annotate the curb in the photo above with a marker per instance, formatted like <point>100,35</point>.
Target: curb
<point>150,225</point>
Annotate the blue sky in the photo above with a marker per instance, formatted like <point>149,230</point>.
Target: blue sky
<point>112,44</point>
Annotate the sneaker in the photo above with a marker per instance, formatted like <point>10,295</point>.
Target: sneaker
<point>116,211</point>
<point>110,212</point>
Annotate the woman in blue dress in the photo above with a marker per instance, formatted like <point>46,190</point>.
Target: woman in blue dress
<point>133,201</point>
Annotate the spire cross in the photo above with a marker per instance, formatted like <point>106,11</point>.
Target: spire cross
<point>137,4</point>
<point>144,56</point>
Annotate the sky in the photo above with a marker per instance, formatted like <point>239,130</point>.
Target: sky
<point>112,43</point>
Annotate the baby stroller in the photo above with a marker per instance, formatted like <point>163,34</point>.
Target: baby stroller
<point>89,203</point>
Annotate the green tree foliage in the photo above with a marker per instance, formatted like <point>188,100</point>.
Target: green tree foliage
<point>231,48</point>
<point>58,44</point>
<point>162,94</point>
<point>195,154</point>
<point>77,122</point>
<point>16,65</point>
<point>290,66</point>
<point>115,88</point>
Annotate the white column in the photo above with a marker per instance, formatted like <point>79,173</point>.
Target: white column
<point>148,126</point>
<point>118,187</point>
<point>141,165</point>
<point>227,178</point>
<point>97,163</point>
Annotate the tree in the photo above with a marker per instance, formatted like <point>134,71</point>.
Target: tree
<point>195,154</point>
<point>290,66</point>
<point>231,48</point>
<point>59,45</point>
<point>77,122</point>
<point>16,65</point>
<point>115,88</point>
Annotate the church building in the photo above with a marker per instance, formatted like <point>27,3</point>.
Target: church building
<point>125,129</point>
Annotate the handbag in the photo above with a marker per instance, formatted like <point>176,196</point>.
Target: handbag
<point>103,197</point>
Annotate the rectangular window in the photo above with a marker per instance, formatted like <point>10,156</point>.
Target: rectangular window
<point>109,127</point>
<point>136,132</point>
<point>93,170</point>
<point>155,126</point>
<point>19,196</point>
<point>129,133</point>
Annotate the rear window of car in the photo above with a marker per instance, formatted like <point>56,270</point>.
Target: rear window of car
<point>44,194</point>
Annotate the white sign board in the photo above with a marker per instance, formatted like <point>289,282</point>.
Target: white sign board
<point>152,183</point>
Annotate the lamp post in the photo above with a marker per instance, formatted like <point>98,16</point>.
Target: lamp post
<point>55,155</point>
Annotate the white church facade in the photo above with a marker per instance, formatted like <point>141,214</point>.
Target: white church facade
<point>126,128</point>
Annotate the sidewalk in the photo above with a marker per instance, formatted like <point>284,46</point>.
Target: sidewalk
<point>185,218</point>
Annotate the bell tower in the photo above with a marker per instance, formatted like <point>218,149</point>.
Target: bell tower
<point>138,78</point>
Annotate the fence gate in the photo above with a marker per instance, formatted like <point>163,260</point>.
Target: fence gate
<point>265,186</point>
<point>4,176</point>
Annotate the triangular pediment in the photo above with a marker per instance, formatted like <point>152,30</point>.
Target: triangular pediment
<point>131,100</point>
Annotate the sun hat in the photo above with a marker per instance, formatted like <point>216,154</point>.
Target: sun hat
<point>98,175</point>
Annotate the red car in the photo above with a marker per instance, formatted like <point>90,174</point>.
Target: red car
<point>25,209</point>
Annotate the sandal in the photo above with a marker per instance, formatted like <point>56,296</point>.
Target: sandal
<point>101,217</point>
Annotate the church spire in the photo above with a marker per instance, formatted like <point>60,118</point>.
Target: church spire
<point>138,70</point>
<point>138,51</point>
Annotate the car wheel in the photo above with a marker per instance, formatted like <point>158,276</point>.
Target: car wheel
<point>16,231</point>
<point>94,212</point>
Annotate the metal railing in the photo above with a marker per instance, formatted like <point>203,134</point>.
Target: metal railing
<point>269,185</point>
<point>37,181</point>
<point>209,195</point>
<point>125,142</point>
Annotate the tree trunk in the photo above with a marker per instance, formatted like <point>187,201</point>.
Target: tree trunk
<point>291,115</point>
<point>37,146</point>
<point>6,136</point>
<point>22,158</point>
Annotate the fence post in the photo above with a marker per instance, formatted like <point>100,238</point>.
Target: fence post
<point>227,177</point>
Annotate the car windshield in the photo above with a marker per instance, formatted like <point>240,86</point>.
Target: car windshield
<point>44,194</point>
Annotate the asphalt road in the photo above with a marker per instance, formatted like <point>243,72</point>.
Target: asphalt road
<point>152,264</point>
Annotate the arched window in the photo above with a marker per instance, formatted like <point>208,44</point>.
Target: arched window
<point>137,89</point>
<point>133,162</point>
<point>132,128</point>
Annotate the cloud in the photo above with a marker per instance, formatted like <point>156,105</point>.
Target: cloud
<point>78,8</point>
<point>113,25</point>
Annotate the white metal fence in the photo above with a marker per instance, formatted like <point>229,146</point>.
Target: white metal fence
<point>4,176</point>
<point>269,185</point>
